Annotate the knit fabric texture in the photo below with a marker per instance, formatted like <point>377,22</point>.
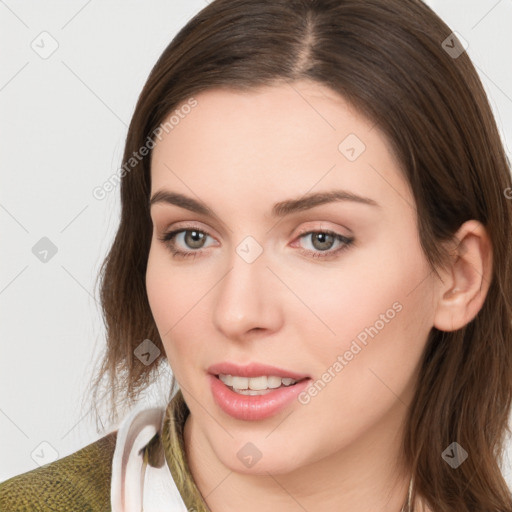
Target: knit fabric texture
<point>81,482</point>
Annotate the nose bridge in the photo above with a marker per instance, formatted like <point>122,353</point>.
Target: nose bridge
<point>246,296</point>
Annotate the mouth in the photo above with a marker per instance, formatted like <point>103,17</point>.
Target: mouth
<point>234,396</point>
<point>254,391</point>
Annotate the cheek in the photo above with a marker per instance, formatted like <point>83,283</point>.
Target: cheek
<point>368,290</point>
<point>378,313</point>
<point>166,300</point>
<point>160,296</point>
<point>176,296</point>
<point>171,290</point>
<point>370,367</point>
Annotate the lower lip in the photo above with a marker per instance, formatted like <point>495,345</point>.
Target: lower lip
<point>254,407</point>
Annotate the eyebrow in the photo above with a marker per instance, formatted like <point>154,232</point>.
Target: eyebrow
<point>280,209</point>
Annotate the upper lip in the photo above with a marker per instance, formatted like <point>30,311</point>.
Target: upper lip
<point>253,370</point>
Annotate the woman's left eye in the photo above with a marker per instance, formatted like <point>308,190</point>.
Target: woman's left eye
<point>194,238</point>
<point>321,239</point>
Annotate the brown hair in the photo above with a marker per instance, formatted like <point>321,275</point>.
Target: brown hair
<point>390,59</point>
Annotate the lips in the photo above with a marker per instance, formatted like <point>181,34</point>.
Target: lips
<point>254,370</point>
<point>255,407</point>
<point>252,407</point>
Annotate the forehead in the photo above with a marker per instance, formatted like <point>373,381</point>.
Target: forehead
<point>282,140</point>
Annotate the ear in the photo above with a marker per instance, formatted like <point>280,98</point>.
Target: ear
<point>467,278</point>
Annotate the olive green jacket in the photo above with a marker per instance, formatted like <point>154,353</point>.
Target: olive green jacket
<point>79,482</point>
<point>83,481</point>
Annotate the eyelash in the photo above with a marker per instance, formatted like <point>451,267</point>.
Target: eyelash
<point>168,240</point>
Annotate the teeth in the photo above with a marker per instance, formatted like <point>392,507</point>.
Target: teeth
<point>256,383</point>
<point>240,382</point>
<point>274,382</point>
<point>227,379</point>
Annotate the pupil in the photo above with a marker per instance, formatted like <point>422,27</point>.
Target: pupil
<point>196,237</point>
<point>322,236</point>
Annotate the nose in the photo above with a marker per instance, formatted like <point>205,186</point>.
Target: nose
<point>247,299</point>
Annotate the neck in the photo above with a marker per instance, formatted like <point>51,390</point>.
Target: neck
<point>366,475</point>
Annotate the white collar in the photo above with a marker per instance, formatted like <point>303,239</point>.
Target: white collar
<point>132,488</point>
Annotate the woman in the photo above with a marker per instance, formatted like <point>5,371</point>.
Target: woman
<point>315,235</point>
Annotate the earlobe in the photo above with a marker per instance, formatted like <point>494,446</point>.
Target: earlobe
<point>467,278</point>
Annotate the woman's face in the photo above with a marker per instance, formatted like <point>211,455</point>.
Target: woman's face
<point>349,306</point>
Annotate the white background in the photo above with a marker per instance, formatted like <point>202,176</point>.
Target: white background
<point>63,123</point>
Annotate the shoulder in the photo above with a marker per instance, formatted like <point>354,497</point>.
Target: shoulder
<point>125,466</point>
<point>80,481</point>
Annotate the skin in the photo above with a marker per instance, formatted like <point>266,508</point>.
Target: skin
<point>240,153</point>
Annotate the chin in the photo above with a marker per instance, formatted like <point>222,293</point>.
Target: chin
<point>258,457</point>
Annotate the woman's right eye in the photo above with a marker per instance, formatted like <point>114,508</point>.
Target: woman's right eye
<point>191,237</point>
